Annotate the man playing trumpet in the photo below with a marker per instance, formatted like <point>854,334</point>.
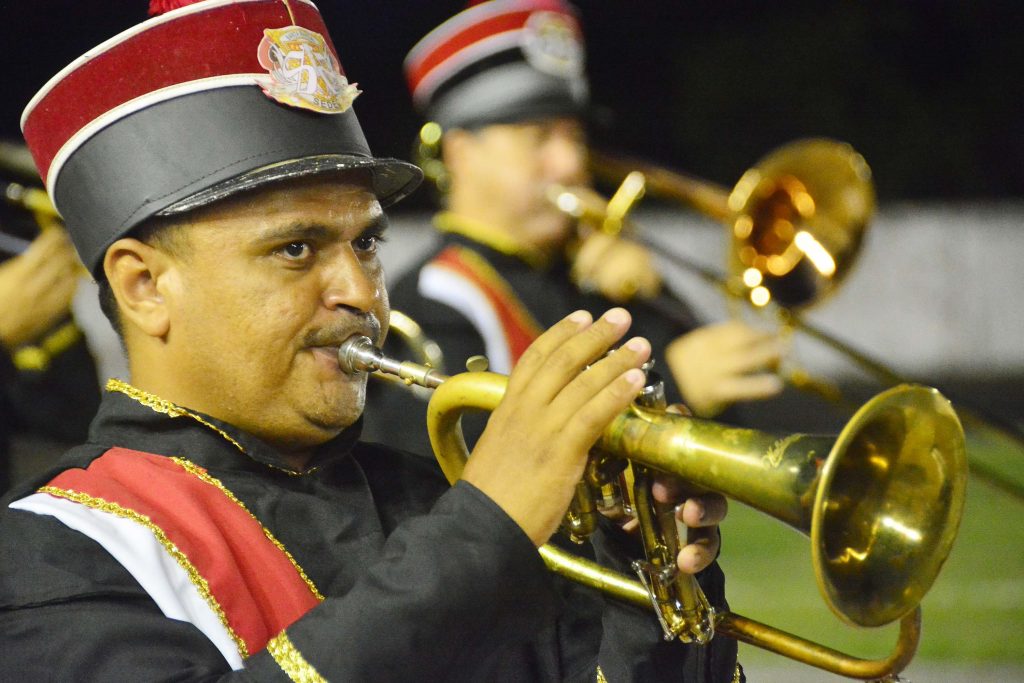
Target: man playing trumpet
<point>223,519</point>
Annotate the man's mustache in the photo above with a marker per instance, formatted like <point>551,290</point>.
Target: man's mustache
<point>333,335</point>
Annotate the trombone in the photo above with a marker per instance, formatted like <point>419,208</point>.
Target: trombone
<point>796,222</point>
<point>881,503</point>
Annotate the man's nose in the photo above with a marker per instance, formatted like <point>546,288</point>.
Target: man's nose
<point>350,283</point>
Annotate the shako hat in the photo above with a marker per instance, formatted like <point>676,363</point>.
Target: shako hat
<point>503,61</point>
<point>194,105</point>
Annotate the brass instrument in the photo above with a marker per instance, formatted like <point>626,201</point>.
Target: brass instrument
<point>881,502</point>
<point>796,222</point>
<point>424,350</point>
<point>36,202</point>
<point>16,159</point>
<point>796,219</point>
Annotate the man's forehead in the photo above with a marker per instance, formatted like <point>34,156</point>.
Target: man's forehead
<point>341,198</point>
<point>536,127</point>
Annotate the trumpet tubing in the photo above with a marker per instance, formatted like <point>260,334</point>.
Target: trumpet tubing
<point>881,502</point>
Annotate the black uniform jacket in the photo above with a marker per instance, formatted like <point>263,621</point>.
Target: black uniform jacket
<point>419,581</point>
<point>52,405</point>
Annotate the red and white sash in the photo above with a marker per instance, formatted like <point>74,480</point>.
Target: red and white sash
<point>462,279</point>
<point>191,545</point>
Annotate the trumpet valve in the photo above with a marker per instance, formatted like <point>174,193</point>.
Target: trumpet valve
<point>682,609</point>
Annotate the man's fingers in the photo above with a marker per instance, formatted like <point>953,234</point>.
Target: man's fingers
<point>585,426</point>
<point>565,363</point>
<point>701,514</point>
<point>705,510</point>
<point>537,354</point>
<point>589,382</point>
<point>700,551</point>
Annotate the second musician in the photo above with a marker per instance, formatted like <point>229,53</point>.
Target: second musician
<point>512,115</point>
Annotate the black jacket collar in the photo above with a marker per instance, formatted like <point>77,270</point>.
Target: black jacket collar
<point>131,418</point>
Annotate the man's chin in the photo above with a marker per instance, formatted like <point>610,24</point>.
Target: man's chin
<point>338,411</point>
<point>315,430</point>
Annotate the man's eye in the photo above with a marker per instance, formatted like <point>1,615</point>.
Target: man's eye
<point>296,250</point>
<point>368,243</point>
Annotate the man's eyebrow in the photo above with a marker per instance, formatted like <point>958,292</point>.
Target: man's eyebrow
<point>296,231</point>
<point>377,226</point>
<point>300,231</point>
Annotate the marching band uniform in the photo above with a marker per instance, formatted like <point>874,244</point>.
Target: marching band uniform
<point>367,565</point>
<point>174,545</point>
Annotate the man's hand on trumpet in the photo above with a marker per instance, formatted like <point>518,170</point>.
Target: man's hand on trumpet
<point>559,400</point>
<point>700,513</point>
<point>533,451</point>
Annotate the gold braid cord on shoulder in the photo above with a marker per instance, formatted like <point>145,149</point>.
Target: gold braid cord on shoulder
<point>291,660</point>
<point>166,407</point>
<point>170,409</point>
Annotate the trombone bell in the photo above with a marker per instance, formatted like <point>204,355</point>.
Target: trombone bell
<point>798,218</point>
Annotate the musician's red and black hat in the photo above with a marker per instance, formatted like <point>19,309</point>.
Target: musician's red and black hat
<point>194,105</point>
<point>503,61</point>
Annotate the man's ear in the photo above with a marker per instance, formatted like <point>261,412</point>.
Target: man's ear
<point>134,270</point>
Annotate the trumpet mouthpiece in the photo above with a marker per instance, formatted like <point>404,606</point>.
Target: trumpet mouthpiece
<point>358,354</point>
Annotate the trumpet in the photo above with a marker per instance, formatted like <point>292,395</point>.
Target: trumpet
<point>881,503</point>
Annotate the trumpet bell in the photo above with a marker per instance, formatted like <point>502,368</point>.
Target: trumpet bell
<point>888,505</point>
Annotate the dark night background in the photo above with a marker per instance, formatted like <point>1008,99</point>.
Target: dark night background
<point>931,93</point>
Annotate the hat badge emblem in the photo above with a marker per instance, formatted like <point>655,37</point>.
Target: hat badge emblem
<point>303,72</point>
<point>551,43</point>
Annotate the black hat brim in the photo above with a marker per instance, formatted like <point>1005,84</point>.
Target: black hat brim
<point>391,179</point>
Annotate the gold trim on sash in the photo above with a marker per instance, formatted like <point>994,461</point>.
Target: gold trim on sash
<point>205,477</point>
